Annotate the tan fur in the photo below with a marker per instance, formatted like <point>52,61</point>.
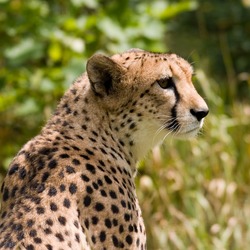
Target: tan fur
<point>71,187</point>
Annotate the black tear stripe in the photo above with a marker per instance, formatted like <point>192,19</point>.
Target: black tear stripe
<point>174,124</point>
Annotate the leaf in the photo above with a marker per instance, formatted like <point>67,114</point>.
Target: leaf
<point>164,11</point>
<point>111,29</point>
<point>27,107</point>
<point>27,49</point>
<point>55,52</point>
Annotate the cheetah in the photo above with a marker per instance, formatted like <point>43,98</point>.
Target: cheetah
<point>72,186</point>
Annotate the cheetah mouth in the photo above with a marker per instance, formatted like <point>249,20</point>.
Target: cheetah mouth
<point>191,132</point>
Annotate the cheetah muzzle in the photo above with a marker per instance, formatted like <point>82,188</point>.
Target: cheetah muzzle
<point>72,187</point>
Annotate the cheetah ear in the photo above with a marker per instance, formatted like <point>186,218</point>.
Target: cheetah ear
<point>103,74</point>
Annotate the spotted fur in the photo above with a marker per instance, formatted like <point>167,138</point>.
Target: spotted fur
<point>72,186</point>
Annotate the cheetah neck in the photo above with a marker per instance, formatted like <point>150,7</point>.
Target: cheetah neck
<point>91,122</point>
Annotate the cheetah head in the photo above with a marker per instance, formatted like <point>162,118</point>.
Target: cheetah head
<point>149,95</point>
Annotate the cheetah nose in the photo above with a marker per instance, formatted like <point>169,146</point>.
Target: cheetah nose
<point>199,113</point>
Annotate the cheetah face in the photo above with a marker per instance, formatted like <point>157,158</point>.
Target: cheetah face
<point>154,90</point>
<point>184,108</point>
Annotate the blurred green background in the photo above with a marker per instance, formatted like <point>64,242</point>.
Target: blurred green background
<point>194,194</point>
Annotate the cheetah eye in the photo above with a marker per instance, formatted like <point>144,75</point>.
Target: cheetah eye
<point>166,83</point>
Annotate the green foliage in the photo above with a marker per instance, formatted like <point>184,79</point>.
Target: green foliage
<point>194,194</point>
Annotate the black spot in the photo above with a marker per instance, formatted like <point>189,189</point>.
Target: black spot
<point>137,242</point>
<point>89,189</point>
<point>100,183</point>
<point>72,188</point>
<point>47,231</point>
<point>114,209</point>
<point>49,222</point>
<point>40,210</point>
<point>90,168</point>
<point>13,169</point>
<point>22,173</point>
<point>76,148</point>
<point>36,200</point>
<point>62,187</point>
<point>94,133</point>
<point>30,247</point>
<point>52,191</point>
<point>121,229</point>
<point>30,223</point>
<point>87,201</point>
<point>107,179</point>
<point>121,190</point>
<point>53,206</point>
<point>129,239</point>
<point>33,233</point>
<point>77,237</point>
<point>130,228</point>
<point>66,148</point>
<point>103,193</point>
<point>126,217</point>
<point>108,223</point>
<point>59,237</point>
<point>9,244</point>
<point>70,170</point>
<point>40,188</point>
<point>89,152</point>
<point>84,127</point>
<point>76,224</point>
<point>115,241</point>
<point>44,151</point>
<point>99,207</point>
<point>123,203</point>
<point>99,167</point>
<point>85,157</point>
<point>63,156</point>
<point>40,164</point>
<point>3,214</point>
<point>66,203</point>
<point>95,220</point>
<point>113,194</point>
<point>62,220</point>
<point>45,176</point>
<point>17,227</point>
<point>95,185</point>
<point>80,137</point>
<point>113,170</point>
<point>86,222</point>
<point>49,247</point>
<point>102,236</point>
<point>2,187</point>
<point>115,222</point>
<point>52,164</point>
<point>76,162</point>
<point>12,205</point>
<point>103,151</point>
<point>92,139</point>
<point>6,194</point>
<point>19,215</point>
<point>102,163</point>
<point>85,178</point>
<point>20,236</point>
<point>93,239</point>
